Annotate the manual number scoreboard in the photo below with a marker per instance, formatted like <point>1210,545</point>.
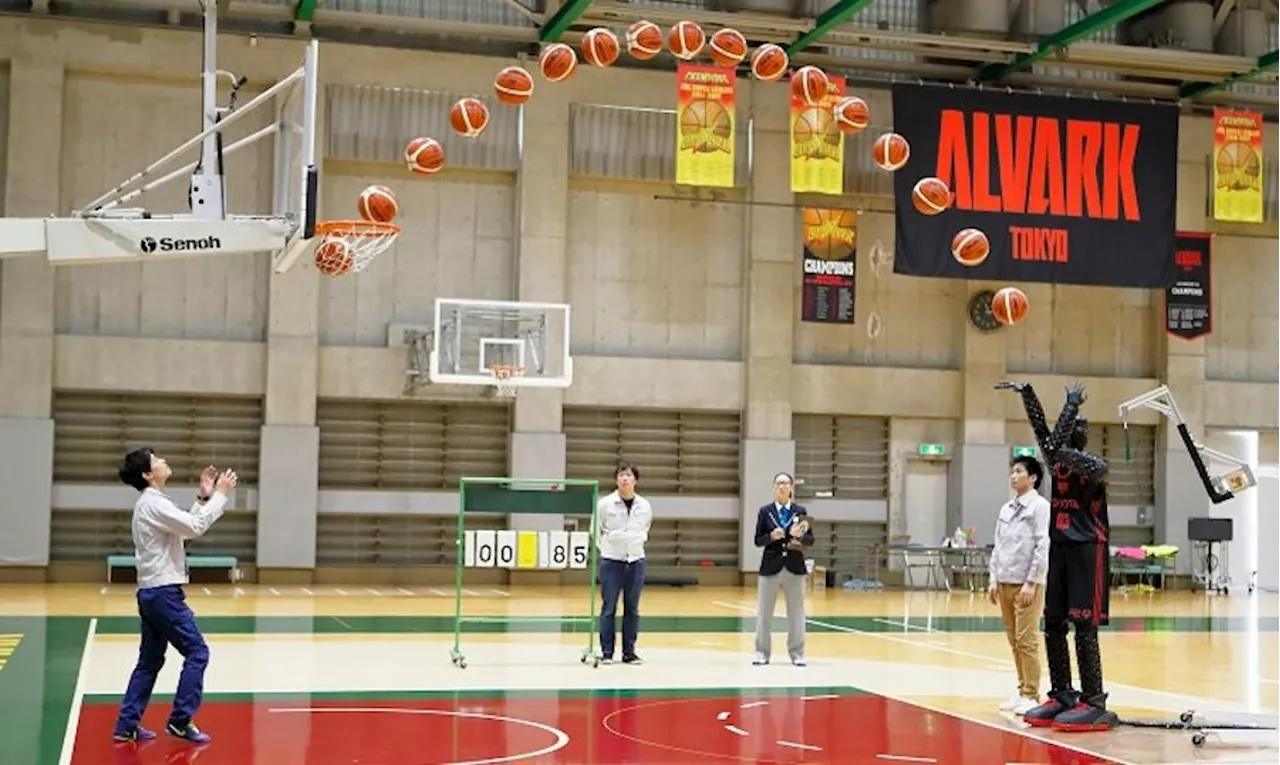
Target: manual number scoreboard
<point>526,549</point>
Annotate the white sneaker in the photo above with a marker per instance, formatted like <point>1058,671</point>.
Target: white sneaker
<point>760,660</point>
<point>1024,705</point>
<point>1008,704</point>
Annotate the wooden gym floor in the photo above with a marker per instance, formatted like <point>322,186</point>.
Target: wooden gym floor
<point>325,675</point>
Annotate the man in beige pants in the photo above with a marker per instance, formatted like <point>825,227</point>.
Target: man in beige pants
<point>1019,563</point>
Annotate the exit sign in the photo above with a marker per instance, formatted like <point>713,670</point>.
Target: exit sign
<point>1024,451</point>
<point>931,450</point>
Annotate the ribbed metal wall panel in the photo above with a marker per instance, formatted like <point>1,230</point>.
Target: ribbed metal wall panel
<point>692,543</point>
<point>93,431</point>
<point>374,124</point>
<point>637,144</point>
<point>848,456</point>
<point>393,540</point>
<point>686,453</point>
<point>846,546</point>
<point>472,11</point>
<point>89,536</point>
<point>410,445</point>
<point>1133,474</point>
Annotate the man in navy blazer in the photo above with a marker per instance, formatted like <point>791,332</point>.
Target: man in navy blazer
<point>782,529</point>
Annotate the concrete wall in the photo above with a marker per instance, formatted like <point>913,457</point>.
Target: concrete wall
<point>677,305</point>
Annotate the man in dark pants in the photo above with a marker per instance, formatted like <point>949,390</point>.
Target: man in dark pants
<point>624,519</point>
<point>159,530</point>
<point>1077,590</point>
<point>782,529</point>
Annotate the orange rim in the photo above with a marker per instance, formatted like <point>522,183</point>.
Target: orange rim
<point>356,228</point>
<point>506,371</point>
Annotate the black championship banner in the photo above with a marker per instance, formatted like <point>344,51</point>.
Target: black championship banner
<point>1067,190</point>
<point>1188,302</point>
<point>830,265</point>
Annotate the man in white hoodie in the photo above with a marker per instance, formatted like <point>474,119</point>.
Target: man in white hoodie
<point>1019,564</point>
<point>624,518</point>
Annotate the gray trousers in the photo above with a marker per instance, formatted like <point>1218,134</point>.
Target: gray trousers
<point>767,597</point>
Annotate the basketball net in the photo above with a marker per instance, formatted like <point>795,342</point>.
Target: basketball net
<point>502,375</point>
<point>364,239</point>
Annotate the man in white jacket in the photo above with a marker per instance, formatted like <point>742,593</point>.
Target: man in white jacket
<point>1019,564</point>
<point>624,518</point>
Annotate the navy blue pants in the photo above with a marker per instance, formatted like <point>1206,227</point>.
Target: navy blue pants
<point>165,620</point>
<point>625,579</point>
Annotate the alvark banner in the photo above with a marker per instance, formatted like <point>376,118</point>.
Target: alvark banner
<point>1067,190</point>
<point>830,264</point>
<point>1188,302</point>
<point>817,144</point>
<point>704,125</point>
<point>1237,166</point>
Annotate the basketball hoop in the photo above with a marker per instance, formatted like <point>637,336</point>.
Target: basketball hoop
<point>360,241</point>
<point>502,375</point>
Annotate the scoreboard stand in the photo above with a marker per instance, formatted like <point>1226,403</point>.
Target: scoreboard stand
<point>526,550</point>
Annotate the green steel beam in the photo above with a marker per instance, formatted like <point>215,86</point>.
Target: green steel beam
<point>1266,63</point>
<point>561,20</point>
<point>826,21</point>
<point>305,10</point>
<point>1049,44</point>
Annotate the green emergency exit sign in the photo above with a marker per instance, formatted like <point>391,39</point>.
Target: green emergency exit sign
<point>1024,451</point>
<point>931,450</point>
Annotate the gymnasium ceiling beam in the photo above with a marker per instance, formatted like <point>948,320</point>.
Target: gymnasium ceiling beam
<point>826,21</point>
<point>1049,44</point>
<point>305,10</point>
<point>1266,63</point>
<point>562,19</point>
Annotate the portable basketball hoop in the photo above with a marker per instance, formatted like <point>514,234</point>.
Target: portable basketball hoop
<point>361,241</point>
<point>502,375</point>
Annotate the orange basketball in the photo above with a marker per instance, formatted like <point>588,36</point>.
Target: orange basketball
<point>333,257</point>
<point>890,151</point>
<point>685,40</point>
<point>1010,306</point>
<point>728,47</point>
<point>424,156</point>
<point>809,84</point>
<point>644,40</point>
<point>931,196</point>
<point>377,203</point>
<point>769,62</point>
<point>469,117</point>
<point>852,114</point>
<point>970,247</point>
<point>600,47</point>
<point>513,86</point>
<point>557,62</point>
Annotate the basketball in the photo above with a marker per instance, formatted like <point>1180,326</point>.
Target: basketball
<point>809,85</point>
<point>513,86</point>
<point>469,117</point>
<point>852,114</point>
<point>685,40</point>
<point>970,247</point>
<point>557,62</point>
<point>424,156</point>
<point>333,257</point>
<point>600,47</point>
<point>728,47</point>
<point>1010,306</point>
<point>644,40</point>
<point>377,203</point>
<point>890,151</point>
<point>931,196</point>
<point>769,62</point>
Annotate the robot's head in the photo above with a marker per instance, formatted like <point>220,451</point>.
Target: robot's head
<point>1079,438</point>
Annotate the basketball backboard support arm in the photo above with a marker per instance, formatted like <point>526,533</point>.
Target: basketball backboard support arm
<point>1220,488</point>
<point>103,231</point>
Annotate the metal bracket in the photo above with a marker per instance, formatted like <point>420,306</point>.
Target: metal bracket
<point>1220,488</point>
<point>417,346</point>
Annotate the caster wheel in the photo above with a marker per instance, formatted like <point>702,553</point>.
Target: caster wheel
<point>1197,740</point>
<point>1186,717</point>
<point>462,664</point>
<point>595,662</point>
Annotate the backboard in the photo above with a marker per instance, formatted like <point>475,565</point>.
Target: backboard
<point>473,337</point>
<point>107,230</point>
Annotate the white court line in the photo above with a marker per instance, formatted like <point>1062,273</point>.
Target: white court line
<point>437,593</point>
<point>722,716</point>
<point>403,591</point>
<point>904,758</point>
<point>307,592</point>
<point>707,642</point>
<point>239,591</point>
<point>754,704</point>
<point>819,696</point>
<point>338,591</point>
<point>904,625</point>
<point>470,592</point>
<point>736,730</point>
<point>274,591</point>
<point>370,589</point>
<point>1268,680</point>
<point>502,593</point>
<point>207,591</point>
<point>344,624</point>
<point>103,591</point>
<point>77,697</point>
<point>794,745</point>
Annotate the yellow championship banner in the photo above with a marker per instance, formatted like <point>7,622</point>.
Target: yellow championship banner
<point>1237,166</point>
<point>704,125</point>
<point>817,145</point>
